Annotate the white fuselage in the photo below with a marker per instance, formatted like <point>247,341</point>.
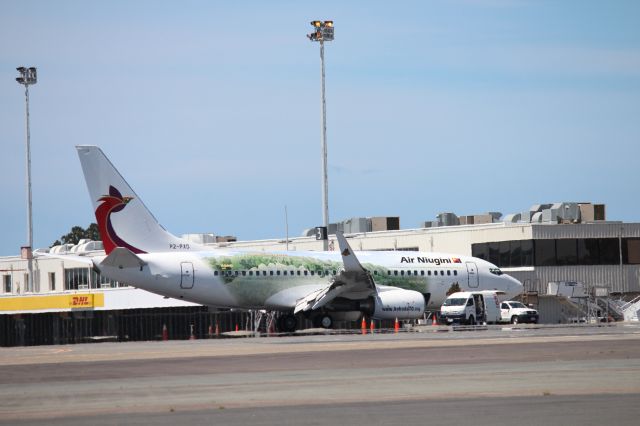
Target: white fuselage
<point>227,279</point>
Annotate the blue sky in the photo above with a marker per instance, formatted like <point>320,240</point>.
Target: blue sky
<point>211,110</point>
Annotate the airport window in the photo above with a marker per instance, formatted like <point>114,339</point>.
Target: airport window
<point>609,251</point>
<point>7,283</point>
<point>52,281</point>
<point>631,251</point>
<point>480,250</point>
<point>526,247</point>
<point>76,278</point>
<point>545,253</point>
<point>588,251</point>
<point>566,252</point>
<point>505,253</point>
<point>494,253</point>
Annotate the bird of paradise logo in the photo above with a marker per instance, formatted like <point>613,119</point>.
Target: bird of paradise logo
<point>112,203</point>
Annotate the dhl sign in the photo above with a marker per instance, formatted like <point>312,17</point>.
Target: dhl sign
<point>83,301</point>
<point>52,302</point>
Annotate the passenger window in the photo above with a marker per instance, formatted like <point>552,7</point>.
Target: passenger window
<point>236,273</point>
<point>375,272</point>
<point>334,272</point>
<point>455,272</point>
<point>250,273</point>
<point>429,273</point>
<point>215,273</point>
<point>244,273</point>
<point>298,273</point>
<point>312,273</point>
<point>284,272</point>
<point>305,273</point>
<point>401,272</point>
<point>448,272</point>
<point>292,273</point>
<point>415,272</point>
<point>270,272</point>
<point>388,272</point>
<point>442,273</point>
<point>277,272</point>
<point>395,272</point>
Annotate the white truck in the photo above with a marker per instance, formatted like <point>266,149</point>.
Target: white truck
<point>471,307</point>
<point>516,312</point>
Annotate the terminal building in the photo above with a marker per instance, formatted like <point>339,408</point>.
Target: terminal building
<point>545,245</point>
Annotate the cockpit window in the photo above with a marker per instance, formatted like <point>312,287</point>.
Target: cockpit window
<point>495,271</point>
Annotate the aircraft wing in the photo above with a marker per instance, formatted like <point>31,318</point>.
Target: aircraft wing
<point>353,282</point>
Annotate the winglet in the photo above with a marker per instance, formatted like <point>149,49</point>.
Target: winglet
<point>351,262</point>
<point>121,258</point>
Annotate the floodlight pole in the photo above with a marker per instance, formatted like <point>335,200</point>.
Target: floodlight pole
<point>323,31</point>
<point>325,177</point>
<point>27,77</point>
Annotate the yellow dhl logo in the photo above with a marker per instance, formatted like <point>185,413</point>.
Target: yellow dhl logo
<point>80,301</point>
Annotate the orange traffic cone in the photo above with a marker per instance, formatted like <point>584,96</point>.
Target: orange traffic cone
<point>434,319</point>
<point>363,326</point>
<point>165,332</point>
<point>373,326</point>
<point>396,325</point>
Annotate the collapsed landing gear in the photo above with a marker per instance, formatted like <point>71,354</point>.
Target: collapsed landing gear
<point>287,323</point>
<point>323,320</point>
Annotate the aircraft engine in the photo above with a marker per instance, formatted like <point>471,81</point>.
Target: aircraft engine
<point>399,303</point>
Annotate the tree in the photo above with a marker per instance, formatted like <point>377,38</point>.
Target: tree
<point>455,287</point>
<point>79,233</point>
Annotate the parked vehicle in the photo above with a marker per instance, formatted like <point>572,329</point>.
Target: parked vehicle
<point>471,307</point>
<point>516,312</point>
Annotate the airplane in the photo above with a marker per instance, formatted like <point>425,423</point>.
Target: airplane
<point>324,287</point>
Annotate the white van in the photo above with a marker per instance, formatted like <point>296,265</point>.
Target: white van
<point>471,307</point>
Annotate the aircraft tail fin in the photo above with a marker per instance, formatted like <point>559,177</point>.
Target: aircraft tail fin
<point>123,219</point>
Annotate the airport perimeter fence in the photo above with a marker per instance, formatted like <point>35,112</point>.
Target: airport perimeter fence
<point>59,328</point>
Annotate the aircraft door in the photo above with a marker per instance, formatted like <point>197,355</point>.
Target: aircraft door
<point>186,277</point>
<point>472,273</point>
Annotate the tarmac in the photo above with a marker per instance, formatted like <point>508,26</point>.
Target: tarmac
<point>493,376</point>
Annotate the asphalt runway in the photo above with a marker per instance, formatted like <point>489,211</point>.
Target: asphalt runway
<point>580,375</point>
